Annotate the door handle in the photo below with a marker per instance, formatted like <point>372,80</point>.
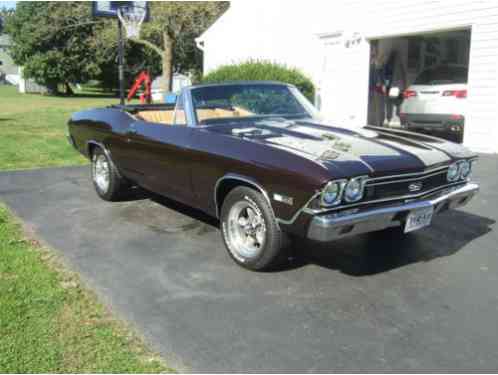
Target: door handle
<point>132,130</point>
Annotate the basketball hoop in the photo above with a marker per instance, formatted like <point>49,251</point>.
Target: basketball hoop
<point>131,18</point>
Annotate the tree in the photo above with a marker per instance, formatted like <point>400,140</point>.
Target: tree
<point>172,30</point>
<point>56,42</point>
<point>261,70</point>
<point>60,43</point>
<point>4,14</point>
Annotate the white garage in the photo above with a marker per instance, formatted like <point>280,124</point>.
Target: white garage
<point>331,42</point>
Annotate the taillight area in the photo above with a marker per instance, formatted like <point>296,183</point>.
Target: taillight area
<point>461,94</point>
<point>409,94</point>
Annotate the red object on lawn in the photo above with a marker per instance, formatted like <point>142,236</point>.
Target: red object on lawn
<point>146,96</point>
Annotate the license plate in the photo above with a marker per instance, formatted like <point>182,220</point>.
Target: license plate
<point>418,219</point>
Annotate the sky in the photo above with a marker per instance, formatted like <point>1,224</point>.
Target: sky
<point>8,4</point>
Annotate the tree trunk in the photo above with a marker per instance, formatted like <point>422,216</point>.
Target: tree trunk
<point>69,91</point>
<point>167,62</point>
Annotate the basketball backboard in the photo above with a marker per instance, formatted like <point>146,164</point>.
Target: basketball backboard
<point>110,8</point>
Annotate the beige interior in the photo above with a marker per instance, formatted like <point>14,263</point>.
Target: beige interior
<point>166,116</point>
<point>163,117</point>
<point>204,114</point>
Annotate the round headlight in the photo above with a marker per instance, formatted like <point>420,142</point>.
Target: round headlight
<point>354,190</point>
<point>331,194</point>
<point>452,174</point>
<point>464,169</point>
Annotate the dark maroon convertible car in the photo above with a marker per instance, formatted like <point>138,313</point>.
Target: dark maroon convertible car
<point>257,156</point>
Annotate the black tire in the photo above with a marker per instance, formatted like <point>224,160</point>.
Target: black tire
<point>271,253</point>
<point>116,184</point>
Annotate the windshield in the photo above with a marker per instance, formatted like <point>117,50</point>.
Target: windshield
<point>442,75</point>
<point>218,103</point>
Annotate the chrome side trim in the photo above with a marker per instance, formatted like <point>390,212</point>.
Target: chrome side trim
<point>298,212</point>
<point>233,176</point>
<point>106,152</point>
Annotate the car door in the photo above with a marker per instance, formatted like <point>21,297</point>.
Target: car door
<point>161,155</point>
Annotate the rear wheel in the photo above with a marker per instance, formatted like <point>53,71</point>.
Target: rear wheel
<point>250,231</point>
<point>106,180</point>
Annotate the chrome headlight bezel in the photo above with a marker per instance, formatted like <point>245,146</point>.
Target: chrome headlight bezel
<point>360,183</point>
<point>455,172</point>
<point>339,186</point>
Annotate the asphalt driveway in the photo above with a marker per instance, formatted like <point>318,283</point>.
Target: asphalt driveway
<point>427,302</point>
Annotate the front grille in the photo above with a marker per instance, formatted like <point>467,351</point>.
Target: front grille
<point>402,186</point>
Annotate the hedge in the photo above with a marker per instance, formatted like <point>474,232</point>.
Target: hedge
<point>262,71</point>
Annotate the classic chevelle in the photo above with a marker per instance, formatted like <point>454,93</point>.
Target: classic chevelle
<point>257,156</point>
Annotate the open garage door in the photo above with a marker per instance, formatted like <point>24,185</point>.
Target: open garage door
<point>419,83</point>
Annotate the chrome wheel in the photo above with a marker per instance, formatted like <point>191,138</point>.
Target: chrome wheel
<point>246,234</point>
<point>101,172</point>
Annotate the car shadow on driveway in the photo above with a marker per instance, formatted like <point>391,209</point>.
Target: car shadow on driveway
<point>137,194</point>
<point>366,254</point>
<point>380,252</point>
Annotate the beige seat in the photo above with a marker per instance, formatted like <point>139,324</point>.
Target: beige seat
<point>162,117</point>
<point>166,117</point>
<point>204,114</point>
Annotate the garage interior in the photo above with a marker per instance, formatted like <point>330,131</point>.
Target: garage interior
<point>419,82</point>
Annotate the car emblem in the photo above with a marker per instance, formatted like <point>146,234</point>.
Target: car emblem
<point>415,186</point>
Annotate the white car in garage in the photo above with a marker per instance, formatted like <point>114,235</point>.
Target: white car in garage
<point>436,102</point>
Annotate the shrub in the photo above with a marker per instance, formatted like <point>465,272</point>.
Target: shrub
<point>262,71</point>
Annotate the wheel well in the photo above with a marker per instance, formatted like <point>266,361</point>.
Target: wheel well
<point>91,148</point>
<point>226,186</point>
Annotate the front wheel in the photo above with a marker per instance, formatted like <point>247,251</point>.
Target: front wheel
<point>109,185</point>
<point>250,230</point>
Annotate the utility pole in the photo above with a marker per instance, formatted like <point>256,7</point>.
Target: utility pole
<point>121,63</point>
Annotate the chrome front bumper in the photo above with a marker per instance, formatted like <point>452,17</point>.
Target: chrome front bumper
<point>333,226</point>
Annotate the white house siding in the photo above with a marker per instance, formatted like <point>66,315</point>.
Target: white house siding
<point>262,30</point>
<point>310,35</point>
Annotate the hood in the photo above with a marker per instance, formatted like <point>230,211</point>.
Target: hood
<point>371,150</point>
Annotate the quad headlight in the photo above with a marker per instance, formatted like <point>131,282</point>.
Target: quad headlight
<point>348,191</point>
<point>465,169</point>
<point>459,170</point>
<point>332,193</point>
<point>452,174</point>
<point>354,190</point>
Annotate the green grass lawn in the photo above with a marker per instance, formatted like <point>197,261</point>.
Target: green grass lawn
<point>33,128</point>
<point>49,322</point>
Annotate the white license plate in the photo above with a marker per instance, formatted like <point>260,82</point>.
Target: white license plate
<point>418,219</point>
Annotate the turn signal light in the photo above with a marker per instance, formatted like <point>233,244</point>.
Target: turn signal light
<point>456,93</point>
